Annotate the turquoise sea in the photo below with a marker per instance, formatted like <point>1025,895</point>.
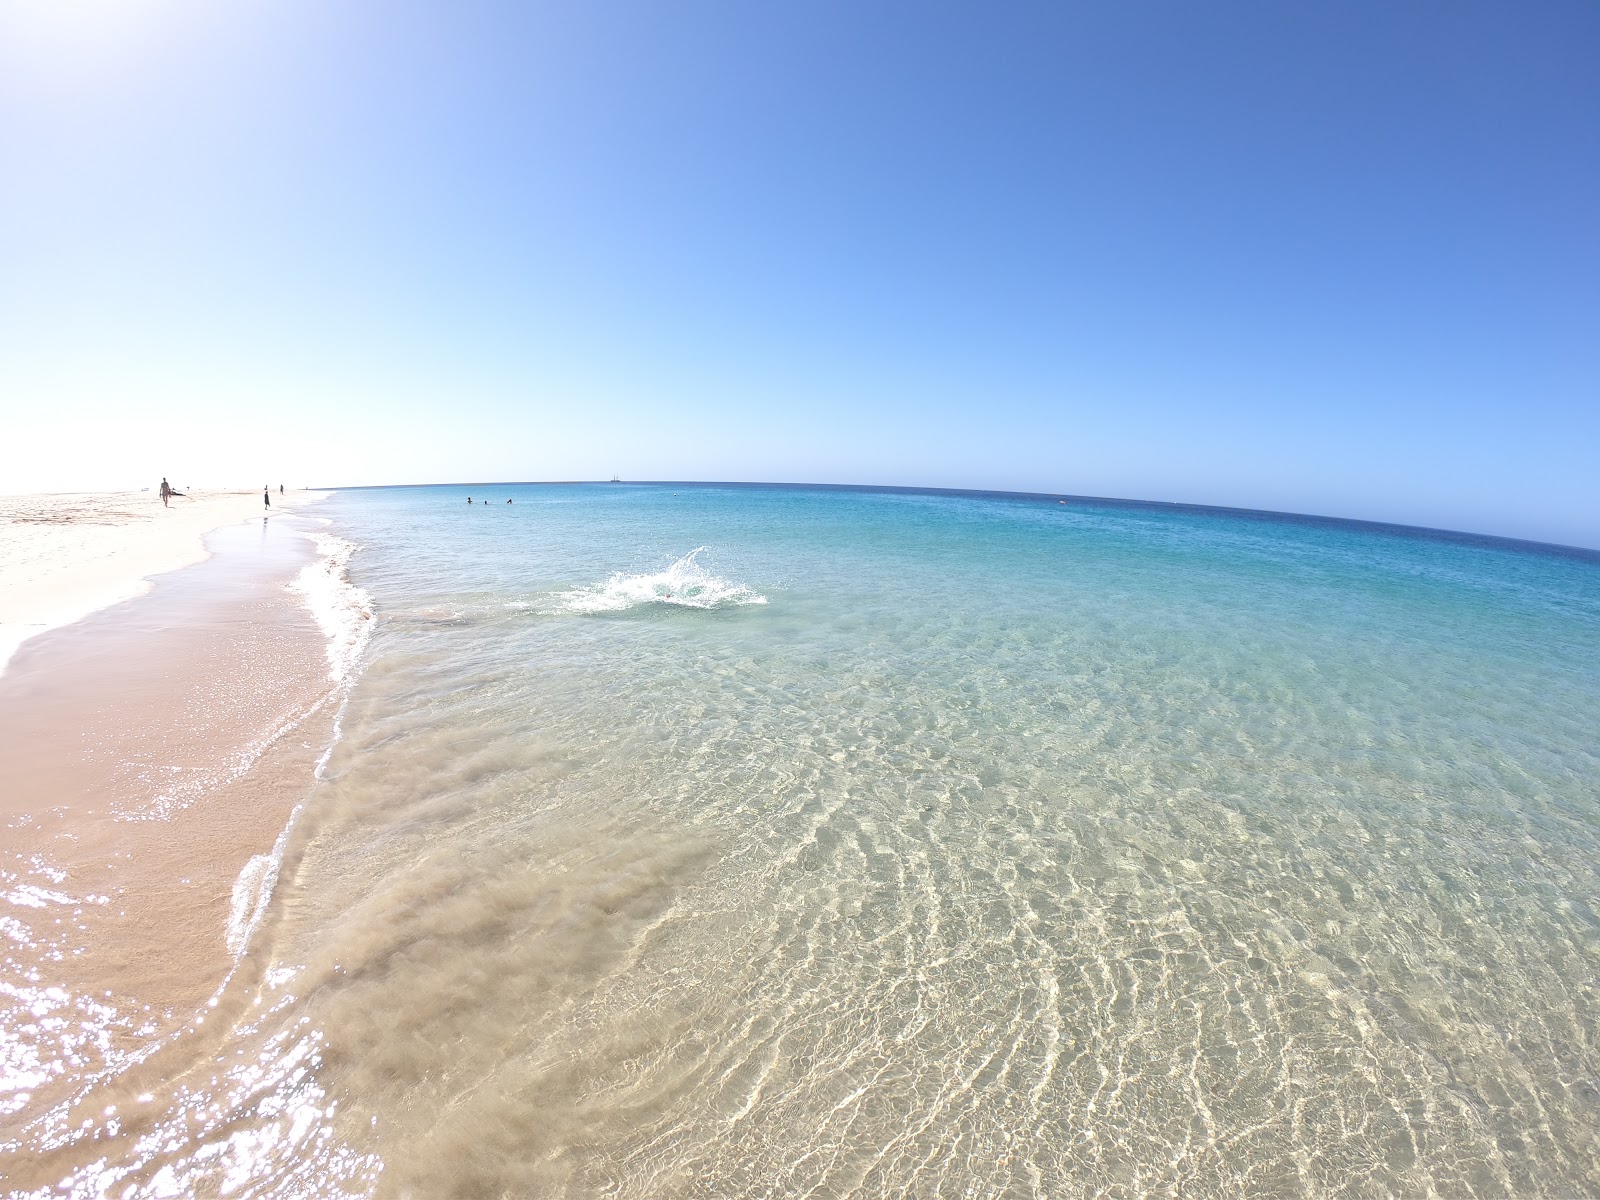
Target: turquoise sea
<point>724,841</point>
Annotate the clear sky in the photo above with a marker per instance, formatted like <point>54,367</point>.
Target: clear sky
<point>1330,258</point>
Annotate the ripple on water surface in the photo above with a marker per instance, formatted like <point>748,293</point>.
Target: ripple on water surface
<point>1004,849</point>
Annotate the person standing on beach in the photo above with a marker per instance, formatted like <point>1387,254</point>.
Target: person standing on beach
<point>166,491</point>
<point>266,495</point>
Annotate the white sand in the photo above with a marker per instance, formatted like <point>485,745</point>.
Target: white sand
<point>63,557</point>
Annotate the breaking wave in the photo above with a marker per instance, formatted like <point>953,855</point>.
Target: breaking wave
<point>342,610</point>
<point>685,583</point>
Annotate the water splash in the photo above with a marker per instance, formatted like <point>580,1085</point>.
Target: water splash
<point>685,583</point>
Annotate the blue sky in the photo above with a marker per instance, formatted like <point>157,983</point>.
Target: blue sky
<point>1341,259</point>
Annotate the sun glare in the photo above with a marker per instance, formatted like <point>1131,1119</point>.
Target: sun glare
<point>43,32</point>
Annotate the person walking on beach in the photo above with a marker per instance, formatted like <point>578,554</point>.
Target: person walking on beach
<point>166,491</point>
<point>266,495</point>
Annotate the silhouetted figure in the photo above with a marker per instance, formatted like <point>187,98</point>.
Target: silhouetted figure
<point>508,501</point>
<point>469,499</point>
<point>166,491</point>
<point>280,489</point>
<point>266,495</point>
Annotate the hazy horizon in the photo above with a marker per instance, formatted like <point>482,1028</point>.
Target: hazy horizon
<point>839,485</point>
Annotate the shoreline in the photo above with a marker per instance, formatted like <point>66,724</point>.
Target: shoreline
<point>65,556</point>
<point>152,755</point>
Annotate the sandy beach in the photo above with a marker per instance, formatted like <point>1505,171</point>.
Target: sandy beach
<point>64,556</point>
<point>151,752</point>
<point>677,841</point>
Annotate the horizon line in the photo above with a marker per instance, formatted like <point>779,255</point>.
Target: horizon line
<point>1462,536</point>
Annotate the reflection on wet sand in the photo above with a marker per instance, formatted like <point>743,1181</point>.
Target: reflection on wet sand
<point>145,755</point>
<point>1039,864</point>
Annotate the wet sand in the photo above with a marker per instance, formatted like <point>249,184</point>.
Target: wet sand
<point>64,556</point>
<point>147,754</point>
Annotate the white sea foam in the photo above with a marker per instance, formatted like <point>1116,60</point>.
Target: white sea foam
<point>343,610</point>
<point>251,891</point>
<point>344,613</point>
<point>685,583</point>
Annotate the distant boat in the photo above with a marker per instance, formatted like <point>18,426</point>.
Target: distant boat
<point>615,479</point>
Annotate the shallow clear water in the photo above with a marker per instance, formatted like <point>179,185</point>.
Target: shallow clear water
<point>911,844</point>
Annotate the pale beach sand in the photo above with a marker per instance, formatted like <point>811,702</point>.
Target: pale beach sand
<point>64,556</point>
<point>151,755</point>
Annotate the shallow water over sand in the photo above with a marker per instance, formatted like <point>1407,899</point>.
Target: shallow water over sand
<point>911,844</point>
